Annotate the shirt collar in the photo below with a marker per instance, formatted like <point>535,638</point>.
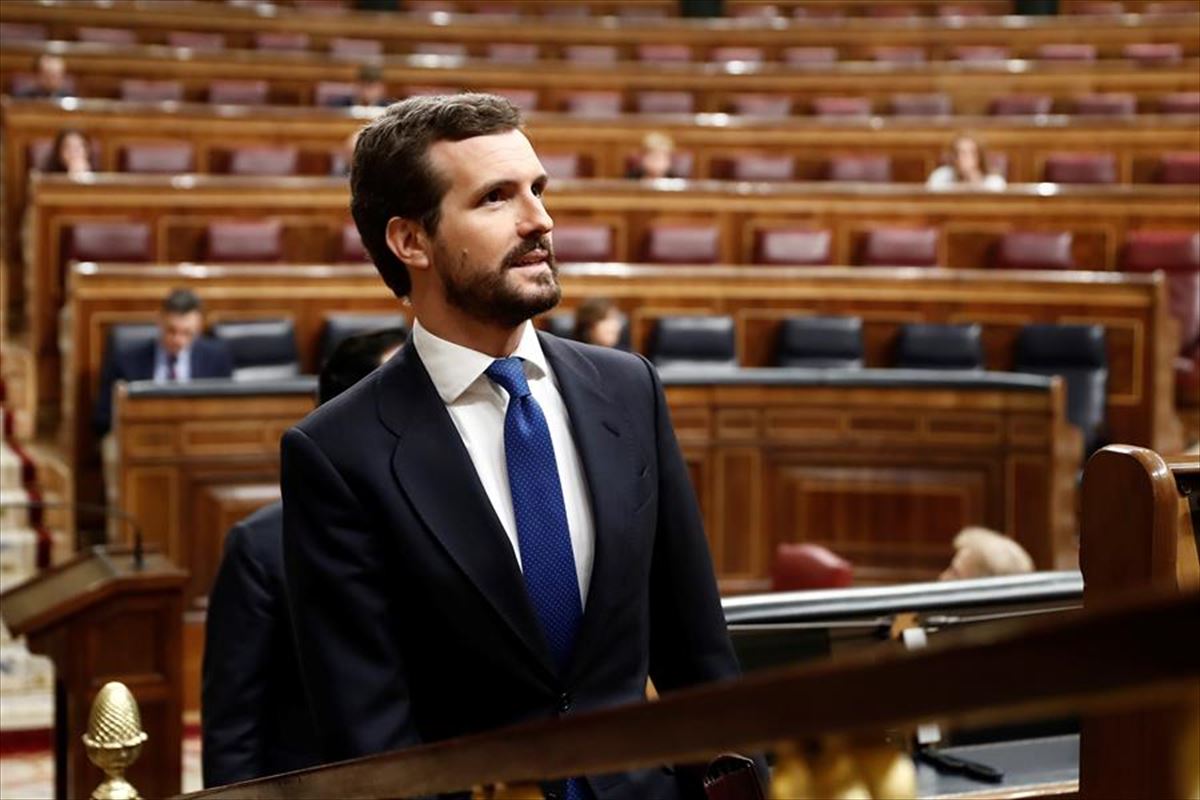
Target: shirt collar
<point>454,368</point>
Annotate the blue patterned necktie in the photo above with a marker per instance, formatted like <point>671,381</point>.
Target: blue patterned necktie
<point>547,560</point>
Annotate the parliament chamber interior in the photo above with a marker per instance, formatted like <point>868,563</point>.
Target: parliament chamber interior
<point>919,279</point>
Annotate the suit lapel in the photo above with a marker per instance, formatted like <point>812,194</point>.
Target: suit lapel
<point>612,465</point>
<point>436,473</point>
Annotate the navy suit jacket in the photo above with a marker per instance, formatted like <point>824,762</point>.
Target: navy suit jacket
<point>255,718</point>
<point>411,615</point>
<point>210,358</point>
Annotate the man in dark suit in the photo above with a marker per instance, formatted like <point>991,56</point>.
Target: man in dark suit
<point>178,353</point>
<point>254,713</point>
<point>498,525</point>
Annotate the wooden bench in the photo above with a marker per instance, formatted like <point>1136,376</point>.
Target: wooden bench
<point>852,37</point>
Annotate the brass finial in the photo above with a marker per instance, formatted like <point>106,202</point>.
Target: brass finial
<point>114,740</point>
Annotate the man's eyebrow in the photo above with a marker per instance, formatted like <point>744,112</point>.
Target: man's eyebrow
<point>500,183</point>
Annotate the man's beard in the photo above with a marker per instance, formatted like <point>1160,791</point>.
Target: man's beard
<point>491,296</point>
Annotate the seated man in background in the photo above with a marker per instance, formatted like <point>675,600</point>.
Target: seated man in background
<point>51,79</point>
<point>982,553</point>
<point>179,353</point>
<point>255,718</point>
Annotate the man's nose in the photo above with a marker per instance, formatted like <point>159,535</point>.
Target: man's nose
<point>536,220</point>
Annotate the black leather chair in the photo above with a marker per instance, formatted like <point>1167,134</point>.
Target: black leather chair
<point>263,349</point>
<point>820,342</point>
<point>340,326</point>
<point>706,341</point>
<point>127,335</point>
<point>1078,354</point>
<point>561,324</point>
<point>937,346</point>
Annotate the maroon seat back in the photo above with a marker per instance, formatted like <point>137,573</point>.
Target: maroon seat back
<point>864,168</point>
<point>334,93</point>
<point>566,166</point>
<point>666,102</point>
<point>900,247</point>
<point>258,241</point>
<point>750,55</point>
<point>238,93</point>
<point>664,53</point>
<point>803,247</point>
<point>1067,52</point>
<point>143,91</point>
<point>899,55</point>
<point>262,161</point>
<point>22,32</point>
<point>1111,104</point>
<point>1179,168</point>
<point>1154,52</point>
<point>800,567</point>
<point>352,250</point>
<point>593,104</point>
<point>1080,168</point>
<point>1020,105</point>
<point>774,106</point>
<point>682,244</point>
<point>591,54</point>
<point>1177,253</point>
<point>345,46</point>
<point>1180,103</point>
<point>799,56</point>
<point>513,52</point>
<point>158,158</point>
<point>979,53</point>
<point>578,242</point>
<point>936,104</point>
<point>1035,250</point>
<point>281,41</point>
<point>452,49</point>
<point>761,167</point>
<point>1098,8</point>
<point>108,241</point>
<point>196,40</point>
<point>122,37</point>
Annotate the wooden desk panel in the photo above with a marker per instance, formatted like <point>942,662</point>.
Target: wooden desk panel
<point>876,473</point>
<point>1131,307</point>
<point>398,32</point>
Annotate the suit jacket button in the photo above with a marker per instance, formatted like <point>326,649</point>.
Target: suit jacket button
<point>564,703</point>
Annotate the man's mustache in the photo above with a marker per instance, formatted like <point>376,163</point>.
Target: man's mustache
<point>525,248</point>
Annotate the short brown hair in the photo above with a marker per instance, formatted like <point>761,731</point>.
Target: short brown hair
<point>589,314</point>
<point>391,175</point>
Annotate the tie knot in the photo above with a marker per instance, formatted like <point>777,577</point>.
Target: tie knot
<point>510,374</point>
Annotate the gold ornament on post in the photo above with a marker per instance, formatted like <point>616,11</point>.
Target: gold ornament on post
<point>114,740</point>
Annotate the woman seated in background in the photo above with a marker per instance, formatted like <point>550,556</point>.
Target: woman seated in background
<point>982,553</point>
<point>70,153</point>
<point>655,159</point>
<point>598,321</point>
<point>966,165</point>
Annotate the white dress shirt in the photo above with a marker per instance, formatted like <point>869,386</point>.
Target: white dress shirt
<point>478,406</point>
<point>183,365</point>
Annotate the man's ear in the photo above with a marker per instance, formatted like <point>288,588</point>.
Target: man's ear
<point>408,241</point>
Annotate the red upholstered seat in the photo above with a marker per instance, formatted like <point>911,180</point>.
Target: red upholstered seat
<point>22,32</point>
<point>1035,250</point>
<point>344,46</point>
<point>1177,253</point>
<point>1067,52</point>
<point>754,12</point>
<point>1080,168</point>
<point>761,167</point>
<point>163,158</point>
<point>239,240</point>
<point>281,40</point>
<point>142,91</point>
<point>24,82</point>
<point>797,56</point>
<point>513,52</point>
<point>920,105</point>
<point>664,53</point>
<point>723,55</point>
<point>108,241</point>
<point>352,250</point>
<point>452,49</point>
<point>565,166</point>
<point>774,106</point>
<point>900,247</point>
<point>593,104</point>
<point>864,168</point>
<point>1154,52</point>
<point>578,242</point>
<point>1020,105</point>
<point>196,40</point>
<point>524,99</point>
<point>682,244</point>
<point>1180,103</point>
<point>1179,168</point>
<point>115,36</point>
<point>262,161</point>
<point>899,55</point>
<point>334,93</point>
<point>799,567</point>
<point>979,52</point>
<point>238,93</point>
<point>591,54</point>
<point>792,247</point>
<point>1112,104</point>
<point>666,102</point>
<point>841,106</point>
<point>1098,8</point>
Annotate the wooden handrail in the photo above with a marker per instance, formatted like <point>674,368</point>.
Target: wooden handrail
<point>1118,656</point>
